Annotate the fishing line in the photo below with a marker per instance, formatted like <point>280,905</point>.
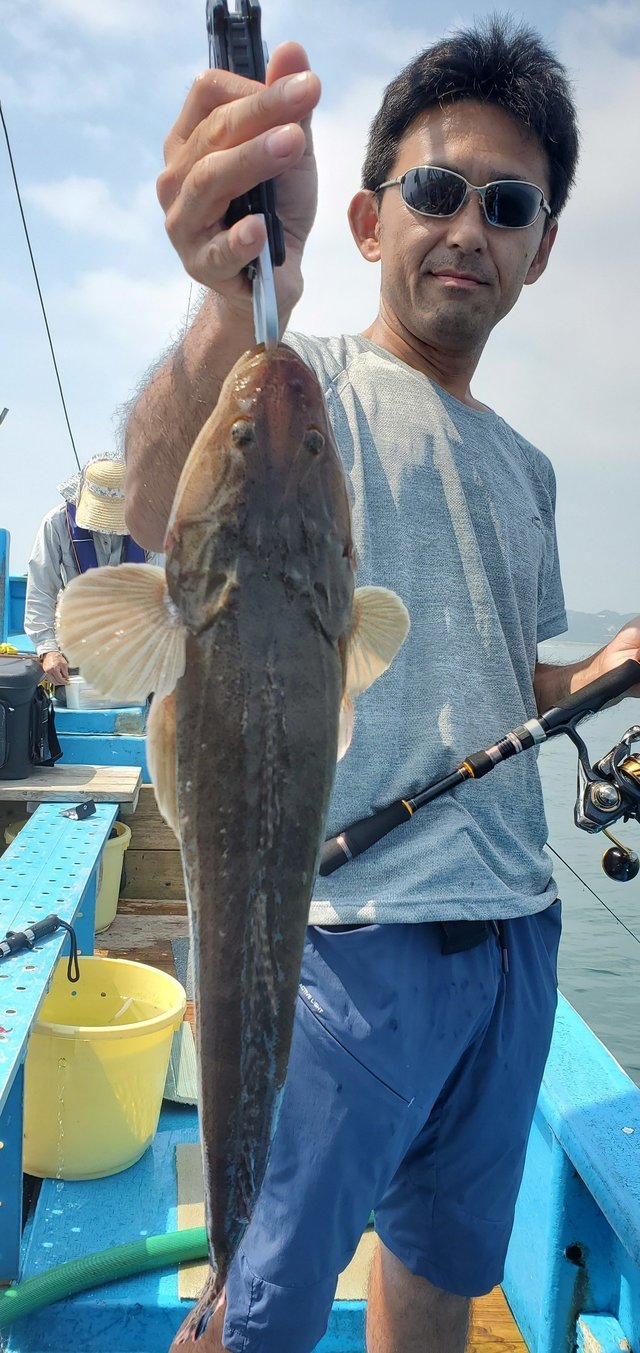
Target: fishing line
<point>593,893</point>
<point>35,273</point>
<point>186,321</point>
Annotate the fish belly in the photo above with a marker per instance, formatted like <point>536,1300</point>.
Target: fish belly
<point>257,725</point>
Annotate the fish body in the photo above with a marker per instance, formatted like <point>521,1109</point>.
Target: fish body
<point>263,641</point>
<point>267,596</point>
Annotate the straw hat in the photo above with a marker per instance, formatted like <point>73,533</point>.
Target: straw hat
<point>100,503</point>
<point>69,488</point>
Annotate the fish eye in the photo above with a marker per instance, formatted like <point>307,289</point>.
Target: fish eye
<point>242,432</point>
<point>313,441</point>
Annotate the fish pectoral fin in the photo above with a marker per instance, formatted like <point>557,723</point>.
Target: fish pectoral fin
<point>161,757</point>
<point>379,628</point>
<point>120,627</point>
<point>345,726</point>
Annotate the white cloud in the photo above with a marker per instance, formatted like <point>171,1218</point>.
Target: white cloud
<point>111,19</point>
<point>65,85</point>
<point>86,206</point>
<point>120,323</point>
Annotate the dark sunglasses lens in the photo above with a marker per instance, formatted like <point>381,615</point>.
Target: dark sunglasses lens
<point>435,192</point>
<point>512,204</point>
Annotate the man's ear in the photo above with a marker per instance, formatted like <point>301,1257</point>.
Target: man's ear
<point>365,224</point>
<point>541,258</point>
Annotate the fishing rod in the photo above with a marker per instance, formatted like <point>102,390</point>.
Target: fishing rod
<point>608,791</point>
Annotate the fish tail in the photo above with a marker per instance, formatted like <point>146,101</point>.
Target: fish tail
<point>210,1300</point>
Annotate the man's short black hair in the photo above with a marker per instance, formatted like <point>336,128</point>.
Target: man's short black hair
<point>497,62</point>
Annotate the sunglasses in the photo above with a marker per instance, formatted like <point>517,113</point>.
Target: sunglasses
<point>509,204</point>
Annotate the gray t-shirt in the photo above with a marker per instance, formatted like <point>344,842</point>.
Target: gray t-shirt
<point>455,511</point>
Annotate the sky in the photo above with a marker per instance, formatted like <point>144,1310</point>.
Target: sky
<point>89,92</point>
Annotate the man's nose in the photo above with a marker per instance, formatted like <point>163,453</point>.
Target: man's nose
<point>468,229</point>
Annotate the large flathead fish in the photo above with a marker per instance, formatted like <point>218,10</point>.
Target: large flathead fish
<point>253,644</point>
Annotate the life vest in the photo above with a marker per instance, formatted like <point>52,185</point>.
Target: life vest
<point>84,550</point>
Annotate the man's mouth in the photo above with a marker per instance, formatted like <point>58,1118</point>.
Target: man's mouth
<point>458,279</point>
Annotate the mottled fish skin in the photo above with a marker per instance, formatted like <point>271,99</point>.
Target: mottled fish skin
<point>260,565</point>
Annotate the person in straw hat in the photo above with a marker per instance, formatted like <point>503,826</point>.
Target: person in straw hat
<point>86,530</point>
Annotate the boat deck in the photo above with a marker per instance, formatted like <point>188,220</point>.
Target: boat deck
<point>163,944</point>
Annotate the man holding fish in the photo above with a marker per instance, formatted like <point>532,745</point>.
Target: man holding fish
<point>428,986</point>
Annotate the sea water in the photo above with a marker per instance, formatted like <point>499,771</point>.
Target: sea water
<point>599,965</point>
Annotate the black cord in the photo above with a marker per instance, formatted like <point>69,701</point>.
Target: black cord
<point>594,894</point>
<point>73,970</point>
<point>35,273</point>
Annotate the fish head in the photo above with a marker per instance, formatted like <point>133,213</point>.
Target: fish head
<point>264,489</point>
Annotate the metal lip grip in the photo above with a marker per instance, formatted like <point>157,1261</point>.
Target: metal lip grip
<point>235,44</point>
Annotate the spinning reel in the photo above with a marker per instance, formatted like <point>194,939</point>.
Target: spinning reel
<point>608,791</point>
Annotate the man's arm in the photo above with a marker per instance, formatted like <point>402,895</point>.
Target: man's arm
<point>231,135</point>
<point>551,683</point>
<point>172,408</point>
<point>44,580</point>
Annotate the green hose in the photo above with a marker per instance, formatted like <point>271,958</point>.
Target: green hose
<point>106,1266</point>
<point>141,1256</point>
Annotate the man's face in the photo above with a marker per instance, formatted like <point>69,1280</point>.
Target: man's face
<point>449,280</point>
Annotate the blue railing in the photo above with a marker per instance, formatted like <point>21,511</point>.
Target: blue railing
<point>573,1269</point>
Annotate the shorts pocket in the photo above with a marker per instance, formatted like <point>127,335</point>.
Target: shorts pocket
<point>340,1044</point>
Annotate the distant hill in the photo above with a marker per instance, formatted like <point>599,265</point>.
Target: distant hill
<point>585,628</point>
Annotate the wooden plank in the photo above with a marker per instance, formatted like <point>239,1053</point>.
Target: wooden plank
<point>149,831</point>
<point>59,784</point>
<point>158,955</point>
<point>152,906</point>
<point>10,813</point>
<point>493,1328</point>
<point>154,873</point>
<point>133,934</point>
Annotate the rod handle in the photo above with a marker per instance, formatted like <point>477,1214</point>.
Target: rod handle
<point>338,850</point>
<point>589,699</point>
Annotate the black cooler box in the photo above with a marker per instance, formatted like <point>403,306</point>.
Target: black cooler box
<point>21,712</point>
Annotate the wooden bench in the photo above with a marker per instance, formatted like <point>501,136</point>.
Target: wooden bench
<point>52,866</point>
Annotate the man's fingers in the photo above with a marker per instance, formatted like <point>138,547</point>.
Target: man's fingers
<point>225,255</point>
<point>211,89</point>
<point>214,87</point>
<point>286,59</point>
<point>215,180</point>
<point>235,121</point>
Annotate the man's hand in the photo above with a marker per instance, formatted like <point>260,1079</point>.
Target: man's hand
<point>233,134</point>
<point>552,683</point>
<point>56,668</point>
<point>626,644</point>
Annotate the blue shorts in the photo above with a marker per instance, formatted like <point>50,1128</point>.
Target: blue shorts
<point>411,1088</point>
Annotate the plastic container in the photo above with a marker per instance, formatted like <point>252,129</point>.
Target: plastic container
<point>96,1067</point>
<point>79,695</point>
<point>109,872</point>
<point>109,875</point>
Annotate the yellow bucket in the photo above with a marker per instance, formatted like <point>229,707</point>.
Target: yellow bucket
<point>96,1068</point>
<point>109,873</point>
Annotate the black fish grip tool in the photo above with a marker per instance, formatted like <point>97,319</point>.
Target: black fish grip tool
<point>235,44</point>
